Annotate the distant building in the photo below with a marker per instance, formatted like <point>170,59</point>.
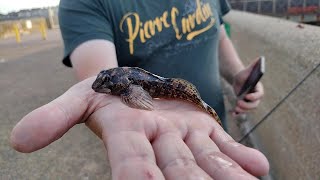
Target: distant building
<point>28,13</point>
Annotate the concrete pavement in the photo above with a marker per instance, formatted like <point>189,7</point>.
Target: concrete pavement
<point>31,74</point>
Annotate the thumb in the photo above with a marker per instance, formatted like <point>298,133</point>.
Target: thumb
<point>242,76</point>
<point>49,122</point>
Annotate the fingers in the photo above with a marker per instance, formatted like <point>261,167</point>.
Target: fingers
<point>249,159</point>
<point>243,106</point>
<point>211,160</point>
<point>131,156</point>
<point>49,122</point>
<point>257,94</point>
<point>175,158</point>
<point>252,100</point>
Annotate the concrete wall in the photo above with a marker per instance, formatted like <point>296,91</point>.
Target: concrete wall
<point>290,137</point>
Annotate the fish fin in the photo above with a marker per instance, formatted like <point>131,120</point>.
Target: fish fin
<point>149,73</point>
<point>188,86</point>
<point>136,97</point>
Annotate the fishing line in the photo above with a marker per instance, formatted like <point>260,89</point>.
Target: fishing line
<point>279,103</point>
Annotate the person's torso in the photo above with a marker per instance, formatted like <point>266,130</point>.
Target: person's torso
<point>172,39</point>
<point>147,30</point>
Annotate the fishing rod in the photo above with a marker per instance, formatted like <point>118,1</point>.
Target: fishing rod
<point>279,103</point>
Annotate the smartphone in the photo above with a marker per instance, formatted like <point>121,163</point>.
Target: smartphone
<point>253,78</point>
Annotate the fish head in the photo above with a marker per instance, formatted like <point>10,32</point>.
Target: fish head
<point>103,83</point>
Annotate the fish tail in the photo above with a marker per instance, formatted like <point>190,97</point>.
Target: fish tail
<point>190,93</point>
<point>211,111</point>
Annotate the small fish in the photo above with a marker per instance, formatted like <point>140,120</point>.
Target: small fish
<point>136,88</point>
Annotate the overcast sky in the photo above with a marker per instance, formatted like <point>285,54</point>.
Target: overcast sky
<point>15,5</point>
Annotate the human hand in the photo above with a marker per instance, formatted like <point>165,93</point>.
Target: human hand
<point>175,141</point>
<point>251,100</point>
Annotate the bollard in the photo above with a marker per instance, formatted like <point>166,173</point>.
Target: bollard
<point>17,33</point>
<point>43,30</point>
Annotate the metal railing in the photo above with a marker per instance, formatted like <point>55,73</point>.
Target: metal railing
<point>298,10</point>
<point>23,27</point>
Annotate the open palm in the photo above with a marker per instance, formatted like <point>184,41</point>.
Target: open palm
<point>175,141</point>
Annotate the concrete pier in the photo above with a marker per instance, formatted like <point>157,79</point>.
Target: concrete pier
<point>290,137</point>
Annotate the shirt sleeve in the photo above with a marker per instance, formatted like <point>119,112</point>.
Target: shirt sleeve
<point>80,21</point>
<point>224,9</point>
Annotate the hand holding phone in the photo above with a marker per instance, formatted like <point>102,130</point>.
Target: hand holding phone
<point>253,78</point>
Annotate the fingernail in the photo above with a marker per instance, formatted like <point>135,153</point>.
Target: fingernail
<point>235,114</point>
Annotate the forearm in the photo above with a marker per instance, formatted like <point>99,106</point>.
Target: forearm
<point>93,56</point>
<point>230,63</point>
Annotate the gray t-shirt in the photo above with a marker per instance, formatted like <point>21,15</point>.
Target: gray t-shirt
<point>170,38</point>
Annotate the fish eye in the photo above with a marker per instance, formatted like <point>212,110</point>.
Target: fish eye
<point>105,78</point>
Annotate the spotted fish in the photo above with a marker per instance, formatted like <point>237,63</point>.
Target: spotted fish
<point>137,87</point>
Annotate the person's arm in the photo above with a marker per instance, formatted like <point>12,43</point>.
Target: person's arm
<point>88,37</point>
<point>89,58</point>
<point>140,144</point>
<point>233,70</point>
<point>230,63</point>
